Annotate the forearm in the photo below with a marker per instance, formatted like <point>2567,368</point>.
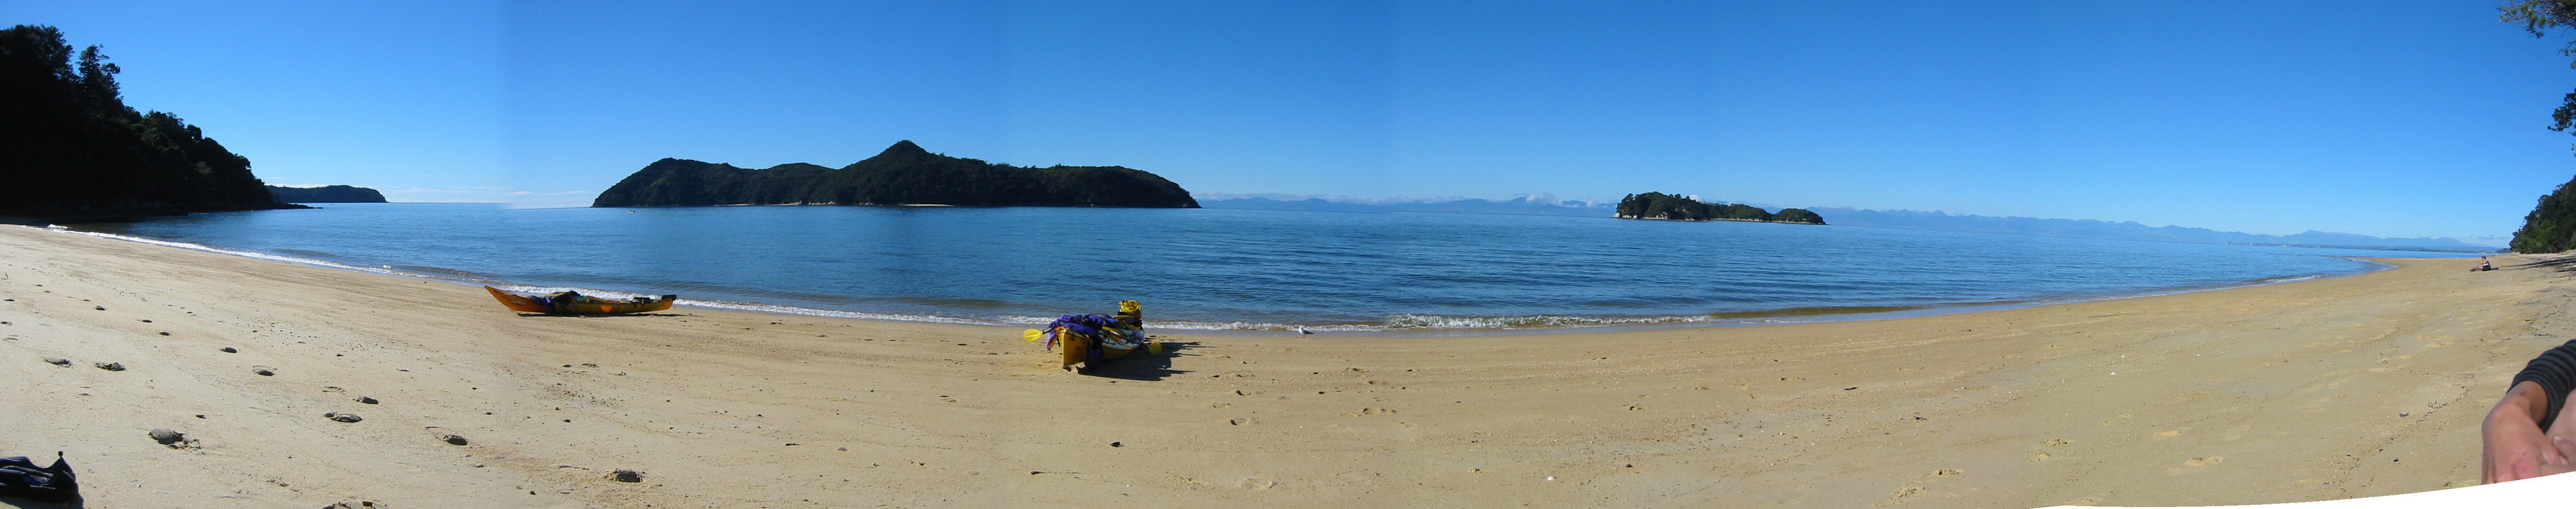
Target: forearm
<point>2527,401</point>
<point>2553,375</point>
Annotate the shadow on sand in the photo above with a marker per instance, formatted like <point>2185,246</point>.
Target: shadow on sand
<point>29,503</point>
<point>1146,366</point>
<point>2567,264</point>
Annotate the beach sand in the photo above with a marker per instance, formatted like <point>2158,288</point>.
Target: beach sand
<point>2315,390</point>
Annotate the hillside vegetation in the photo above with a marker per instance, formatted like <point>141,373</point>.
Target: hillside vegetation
<point>1682,208</point>
<point>71,149</point>
<point>903,174</point>
<point>2551,226</point>
<point>327,194</point>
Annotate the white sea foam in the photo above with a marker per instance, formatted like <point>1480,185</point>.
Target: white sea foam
<point>247,254</point>
<point>792,310</point>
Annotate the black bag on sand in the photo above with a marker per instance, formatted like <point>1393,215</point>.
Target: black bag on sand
<point>21,477</point>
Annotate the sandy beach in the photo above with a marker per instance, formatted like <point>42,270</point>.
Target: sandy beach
<point>2316,390</point>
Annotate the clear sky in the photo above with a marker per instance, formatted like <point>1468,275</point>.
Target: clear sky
<point>2397,119</point>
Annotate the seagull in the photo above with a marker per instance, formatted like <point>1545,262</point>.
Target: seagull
<point>1301,329</point>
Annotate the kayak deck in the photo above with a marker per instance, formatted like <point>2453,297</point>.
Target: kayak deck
<point>569,303</point>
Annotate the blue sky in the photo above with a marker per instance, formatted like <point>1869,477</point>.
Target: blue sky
<point>2397,119</point>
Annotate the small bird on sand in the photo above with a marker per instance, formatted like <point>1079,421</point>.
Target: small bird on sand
<point>1302,330</point>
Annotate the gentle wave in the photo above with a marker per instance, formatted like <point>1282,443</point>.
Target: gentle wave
<point>1400,322</point>
<point>246,254</point>
<point>1253,272</point>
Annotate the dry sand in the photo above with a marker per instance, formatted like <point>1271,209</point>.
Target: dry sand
<point>2316,390</point>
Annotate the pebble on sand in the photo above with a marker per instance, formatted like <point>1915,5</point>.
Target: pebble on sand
<point>170,438</point>
<point>454,439</point>
<point>343,416</point>
<point>354,504</point>
<point>264,372</point>
<point>624,475</point>
<point>110,366</point>
<point>58,361</point>
<point>230,350</point>
<point>364,399</point>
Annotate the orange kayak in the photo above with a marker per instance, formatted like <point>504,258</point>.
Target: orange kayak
<point>573,303</point>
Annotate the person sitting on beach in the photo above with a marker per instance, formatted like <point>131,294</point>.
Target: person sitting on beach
<point>2526,434</point>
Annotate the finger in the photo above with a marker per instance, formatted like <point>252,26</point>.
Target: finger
<point>2551,470</point>
<point>2560,449</point>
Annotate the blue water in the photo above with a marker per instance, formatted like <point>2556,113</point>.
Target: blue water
<point>1237,269</point>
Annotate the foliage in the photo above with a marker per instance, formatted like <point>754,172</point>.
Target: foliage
<point>1683,208</point>
<point>2539,17</point>
<point>70,147</point>
<point>902,174</point>
<point>2551,223</point>
<point>2551,226</point>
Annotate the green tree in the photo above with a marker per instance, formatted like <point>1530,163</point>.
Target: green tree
<point>71,149</point>
<point>2539,18</point>
<point>98,79</point>
<point>2551,226</point>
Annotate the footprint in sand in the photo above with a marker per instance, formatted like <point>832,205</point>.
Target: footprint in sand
<point>2194,465</point>
<point>2036,456</point>
<point>1255,483</point>
<point>1900,494</point>
<point>2057,441</point>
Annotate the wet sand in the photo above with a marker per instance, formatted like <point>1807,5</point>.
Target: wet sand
<point>2315,390</point>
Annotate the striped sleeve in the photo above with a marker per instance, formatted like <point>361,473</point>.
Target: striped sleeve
<point>2555,371</point>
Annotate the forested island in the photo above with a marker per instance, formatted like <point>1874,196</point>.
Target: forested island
<point>327,194</point>
<point>71,150</point>
<point>903,174</point>
<point>1681,208</point>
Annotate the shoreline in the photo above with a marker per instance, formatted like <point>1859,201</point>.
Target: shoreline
<point>2312,390</point>
<point>1781,316</point>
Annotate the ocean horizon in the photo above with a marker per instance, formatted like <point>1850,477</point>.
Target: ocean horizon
<point>1236,270</point>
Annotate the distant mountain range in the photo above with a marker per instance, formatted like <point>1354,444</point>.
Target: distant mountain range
<point>2129,230</point>
<point>1543,205</point>
<point>1525,205</point>
<point>326,194</point>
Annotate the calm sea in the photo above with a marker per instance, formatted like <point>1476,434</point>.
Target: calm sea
<point>1254,270</point>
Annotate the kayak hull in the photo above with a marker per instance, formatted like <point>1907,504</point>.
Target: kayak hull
<point>1077,348</point>
<point>581,305</point>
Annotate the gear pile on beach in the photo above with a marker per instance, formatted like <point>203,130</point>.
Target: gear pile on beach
<point>21,477</point>
<point>1090,339</point>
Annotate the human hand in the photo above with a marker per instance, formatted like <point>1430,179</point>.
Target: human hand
<point>2515,446</point>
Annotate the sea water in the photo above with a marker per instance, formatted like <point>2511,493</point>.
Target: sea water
<point>1253,270</point>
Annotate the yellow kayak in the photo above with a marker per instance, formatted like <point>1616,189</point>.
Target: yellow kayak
<point>574,303</point>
